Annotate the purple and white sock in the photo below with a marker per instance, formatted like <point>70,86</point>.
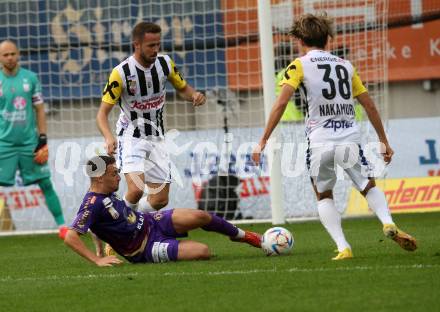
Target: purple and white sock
<point>222,226</point>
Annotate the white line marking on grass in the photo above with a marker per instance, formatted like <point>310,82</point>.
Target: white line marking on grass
<point>67,277</point>
<point>219,273</point>
<point>306,270</point>
<point>256,271</point>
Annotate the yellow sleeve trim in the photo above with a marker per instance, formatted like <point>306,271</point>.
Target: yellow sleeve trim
<point>113,89</point>
<point>176,77</point>
<point>358,86</point>
<point>293,75</point>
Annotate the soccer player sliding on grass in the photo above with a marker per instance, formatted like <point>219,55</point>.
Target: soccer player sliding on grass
<point>141,237</point>
<point>328,85</point>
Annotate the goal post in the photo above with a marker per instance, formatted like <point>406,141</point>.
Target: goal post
<point>268,74</point>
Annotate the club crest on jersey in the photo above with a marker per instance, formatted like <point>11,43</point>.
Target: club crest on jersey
<point>26,85</point>
<point>131,218</point>
<point>131,80</point>
<point>157,216</point>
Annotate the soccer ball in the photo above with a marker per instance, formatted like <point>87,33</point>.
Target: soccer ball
<point>277,241</point>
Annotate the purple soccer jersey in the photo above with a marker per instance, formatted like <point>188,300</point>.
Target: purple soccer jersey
<point>113,222</point>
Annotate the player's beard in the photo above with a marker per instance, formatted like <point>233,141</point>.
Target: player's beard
<point>147,59</point>
<point>11,66</point>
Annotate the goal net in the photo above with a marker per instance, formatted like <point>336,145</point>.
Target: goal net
<point>73,45</point>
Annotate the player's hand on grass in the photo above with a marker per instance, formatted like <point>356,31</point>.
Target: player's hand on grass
<point>198,99</point>
<point>99,251</point>
<point>108,261</point>
<point>110,145</point>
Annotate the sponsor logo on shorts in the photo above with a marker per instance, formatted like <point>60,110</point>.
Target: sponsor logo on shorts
<point>159,252</point>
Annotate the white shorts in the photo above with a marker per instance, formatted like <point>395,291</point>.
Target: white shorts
<point>141,155</point>
<point>322,160</point>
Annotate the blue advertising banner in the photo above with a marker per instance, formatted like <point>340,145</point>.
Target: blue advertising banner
<point>73,45</point>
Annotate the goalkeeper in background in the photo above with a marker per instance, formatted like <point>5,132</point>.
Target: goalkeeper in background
<point>23,140</point>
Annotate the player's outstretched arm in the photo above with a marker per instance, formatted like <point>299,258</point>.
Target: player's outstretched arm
<point>373,115</point>
<point>274,118</point>
<point>189,94</point>
<point>74,241</point>
<point>99,246</point>
<point>104,127</point>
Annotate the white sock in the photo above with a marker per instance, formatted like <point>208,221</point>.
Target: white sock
<point>378,203</point>
<point>331,219</point>
<point>240,233</point>
<point>132,206</point>
<point>144,205</point>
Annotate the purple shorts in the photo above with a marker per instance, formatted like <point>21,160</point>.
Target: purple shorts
<point>162,245</point>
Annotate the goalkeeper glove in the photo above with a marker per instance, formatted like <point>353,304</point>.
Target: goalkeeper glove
<point>41,153</point>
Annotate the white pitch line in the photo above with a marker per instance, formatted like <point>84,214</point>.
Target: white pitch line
<point>307,270</point>
<point>218,273</point>
<point>67,277</point>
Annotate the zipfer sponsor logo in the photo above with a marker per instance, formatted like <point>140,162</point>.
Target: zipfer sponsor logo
<point>337,124</point>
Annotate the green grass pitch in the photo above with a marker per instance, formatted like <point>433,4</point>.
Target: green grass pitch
<point>39,273</point>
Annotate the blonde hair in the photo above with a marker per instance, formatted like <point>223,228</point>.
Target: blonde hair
<point>313,30</point>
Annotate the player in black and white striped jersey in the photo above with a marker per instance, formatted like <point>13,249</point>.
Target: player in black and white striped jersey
<point>137,85</point>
